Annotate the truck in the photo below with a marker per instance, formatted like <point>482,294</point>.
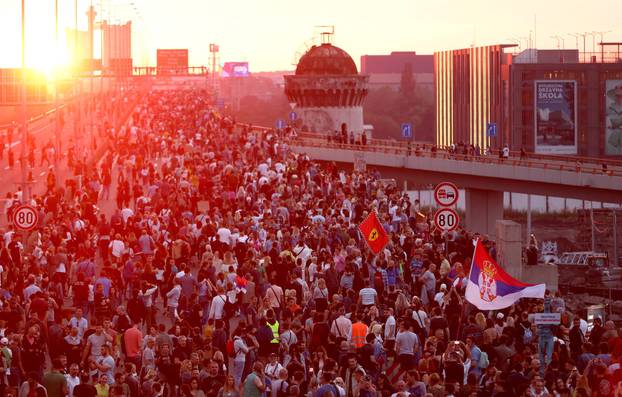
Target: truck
<point>588,269</point>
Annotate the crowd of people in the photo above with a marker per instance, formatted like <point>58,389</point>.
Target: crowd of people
<point>233,266</point>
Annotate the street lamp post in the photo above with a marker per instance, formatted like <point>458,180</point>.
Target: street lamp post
<point>57,151</point>
<point>25,190</point>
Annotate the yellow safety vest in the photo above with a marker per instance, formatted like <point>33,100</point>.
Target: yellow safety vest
<point>275,332</point>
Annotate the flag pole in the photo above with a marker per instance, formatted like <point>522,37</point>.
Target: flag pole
<point>472,262</point>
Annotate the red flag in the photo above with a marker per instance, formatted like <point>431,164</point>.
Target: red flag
<point>373,233</point>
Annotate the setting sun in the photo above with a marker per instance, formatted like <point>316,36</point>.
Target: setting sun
<point>42,51</point>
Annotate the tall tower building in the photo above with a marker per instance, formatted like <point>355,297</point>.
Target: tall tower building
<point>328,91</point>
<point>117,46</point>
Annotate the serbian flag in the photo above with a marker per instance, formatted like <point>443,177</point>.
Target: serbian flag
<point>489,287</point>
<point>373,233</point>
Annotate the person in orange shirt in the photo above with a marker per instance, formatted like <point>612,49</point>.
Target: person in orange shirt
<point>132,338</point>
<point>359,331</point>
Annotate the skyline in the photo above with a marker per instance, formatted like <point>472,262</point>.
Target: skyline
<point>271,34</point>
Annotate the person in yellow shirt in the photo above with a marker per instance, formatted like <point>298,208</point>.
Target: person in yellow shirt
<point>102,386</point>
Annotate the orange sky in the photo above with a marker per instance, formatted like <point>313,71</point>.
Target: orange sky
<point>269,33</point>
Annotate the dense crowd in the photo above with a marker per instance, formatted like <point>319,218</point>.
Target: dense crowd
<point>233,266</point>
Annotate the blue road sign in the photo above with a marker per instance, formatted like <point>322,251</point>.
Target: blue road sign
<point>293,116</point>
<point>491,130</point>
<point>220,103</point>
<point>280,124</point>
<point>407,130</point>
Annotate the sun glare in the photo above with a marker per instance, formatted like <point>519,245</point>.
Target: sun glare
<point>43,56</point>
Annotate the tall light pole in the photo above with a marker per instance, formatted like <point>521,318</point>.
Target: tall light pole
<point>25,190</point>
<point>57,151</point>
<point>78,130</point>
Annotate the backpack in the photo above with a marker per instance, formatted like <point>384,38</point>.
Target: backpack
<point>527,335</point>
<point>229,348</point>
<point>378,282</point>
<point>483,360</point>
<point>281,392</point>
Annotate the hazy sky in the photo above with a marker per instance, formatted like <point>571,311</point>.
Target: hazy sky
<point>269,33</point>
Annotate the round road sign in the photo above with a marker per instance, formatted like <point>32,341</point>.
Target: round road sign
<point>446,219</point>
<point>446,194</point>
<point>25,217</point>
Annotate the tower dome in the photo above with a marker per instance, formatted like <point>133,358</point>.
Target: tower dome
<point>328,92</point>
<point>324,60</point>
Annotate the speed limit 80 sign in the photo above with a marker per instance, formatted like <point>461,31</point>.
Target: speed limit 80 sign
<point>25,217</point>
<point>446,219</point>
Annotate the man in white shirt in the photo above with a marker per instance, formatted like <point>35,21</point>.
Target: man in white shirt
<point>273,367</point>
<point>274,293</point>
<point>79,322</point>
<point>173,300</point>
<point>389,326</point>
<point>239,350</point>
<point>367,296</point>
<point>147,294</point>
<point>341,326</point>
<point>32,288</point>
<point>287,337</point>
<point>126,213</point>
<point>73,378</point>
<point>217,307</point>
<point>117,246</point>
<point>224,238</point>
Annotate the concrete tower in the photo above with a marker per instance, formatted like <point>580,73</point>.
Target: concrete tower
<point>328,91</point>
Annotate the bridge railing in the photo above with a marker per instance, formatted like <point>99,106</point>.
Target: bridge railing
<point>539,156</point>
<point>512,160</point>
<point>34,119</point>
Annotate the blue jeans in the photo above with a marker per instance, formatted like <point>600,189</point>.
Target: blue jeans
<point>545,346</point>
<point>238,370</point>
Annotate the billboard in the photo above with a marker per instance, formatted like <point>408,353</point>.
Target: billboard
<point>235,69</point>
<point>173,61</point>
<point>613,118</point>
<point>555,116</point>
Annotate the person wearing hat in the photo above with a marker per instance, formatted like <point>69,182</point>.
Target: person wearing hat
<point>613,143</point>
<point>440,295</point>
<point>272,369</point>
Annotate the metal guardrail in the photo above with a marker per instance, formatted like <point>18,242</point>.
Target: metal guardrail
<point>34,119</point>
<point>576,164</point>
<point>513,161</point>
<point>513,153</point>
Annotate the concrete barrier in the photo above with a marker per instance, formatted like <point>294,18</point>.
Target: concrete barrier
<point>539,274</point>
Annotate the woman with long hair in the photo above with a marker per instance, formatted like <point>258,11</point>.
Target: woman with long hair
<point>228,389</point>
<point>320,295</point>
<point>195,390</point>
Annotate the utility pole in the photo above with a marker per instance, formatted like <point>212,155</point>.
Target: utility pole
<point>528,217</point>
<point>615,238</point>
<point>90,103</point>
<point>592,226</point>
<point>23,160</point>
<point>78,89</point>
<point>57,151</point>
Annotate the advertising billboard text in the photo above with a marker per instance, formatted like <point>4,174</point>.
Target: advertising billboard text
<point>173,61</point>
<point>555,116</point>
<point>235,69</point>
<point>613,118</point>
